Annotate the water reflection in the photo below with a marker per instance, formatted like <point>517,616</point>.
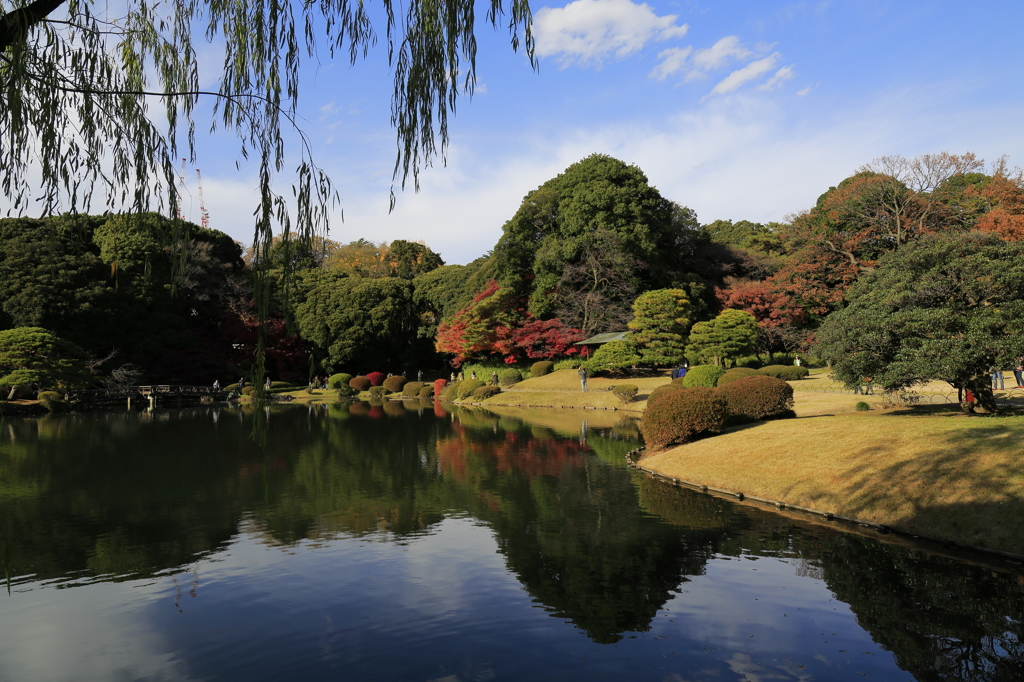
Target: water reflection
<point>178,495</point>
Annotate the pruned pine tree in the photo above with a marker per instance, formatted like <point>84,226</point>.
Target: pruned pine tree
<point>79,88</point>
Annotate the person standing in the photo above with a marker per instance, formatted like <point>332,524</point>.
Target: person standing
<point>868,388</point>
<point>241,384</point>
<point>997,380</point>
<point>419,375</point>
<point>1018,372</point>
<point>267,385</point>
<point>216,385</point>
<point>583,379</point>
<point>494,378</point>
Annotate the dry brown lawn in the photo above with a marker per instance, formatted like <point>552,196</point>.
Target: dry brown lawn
<point>940,475</point>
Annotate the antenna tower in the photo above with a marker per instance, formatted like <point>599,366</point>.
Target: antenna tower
<point>202,205</point>
<point>181,191</point>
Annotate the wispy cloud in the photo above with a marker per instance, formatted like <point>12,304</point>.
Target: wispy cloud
<point>672,61</point>
<point>780,77</point>
<point>589,31</point>
<point>678,60</point>
<point>740,77</point>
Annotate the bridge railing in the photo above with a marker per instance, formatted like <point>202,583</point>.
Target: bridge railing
<point>124,392</point>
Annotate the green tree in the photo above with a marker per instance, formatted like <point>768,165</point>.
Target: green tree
<point>358,323</point>
<point>730,335</point>
<point>32,355</point>
<point>661,323</point>
<point>945,307</point>
<point>614,356</point>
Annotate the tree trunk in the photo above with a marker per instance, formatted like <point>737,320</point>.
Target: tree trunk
<point>984,398</point>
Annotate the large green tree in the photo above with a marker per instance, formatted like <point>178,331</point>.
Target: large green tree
<point>730,335</point>
<point>661,323</point>
<point>945,307</point>
<point>32,355</point>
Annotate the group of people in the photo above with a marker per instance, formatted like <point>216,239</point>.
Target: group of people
<point>1018,373</point>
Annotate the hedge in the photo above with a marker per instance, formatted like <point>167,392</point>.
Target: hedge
<point>758,397</point>
<point>451,392</point>
<point>359,383</point>
<point>338,380</point>
<point>248,390</point>
<point>439,385</point>
<point>377,391</point>
<point>345,391</point>
<point>425,391</point>
<point>735,374</point>
<point>467,387</point>
<point>539,369</point>
<point>509,377</point>
<point>394,384</point>
<point>784,372</point>
<point>485,392</point>
<point>662,390</point>
<point>625,392</point>
<point>683,415</point>
<point>52,401</point>
<point>411,388</point>
<point>376,378</point>
<point>702,376</point>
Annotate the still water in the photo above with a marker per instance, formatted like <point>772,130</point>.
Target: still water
<point>405,542</point>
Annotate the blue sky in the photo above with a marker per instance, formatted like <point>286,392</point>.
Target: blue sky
<point>740,110</point>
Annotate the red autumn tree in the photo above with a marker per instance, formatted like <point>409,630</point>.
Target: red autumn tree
<point>472,332</point>
<point>537,340</point>
<point>769,306</point>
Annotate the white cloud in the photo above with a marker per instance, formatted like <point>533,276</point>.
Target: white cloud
<point>738,78</point>
<point>588,31</point>
<point>806,90</point>
<point>780,77</point>
<point>672,60</point>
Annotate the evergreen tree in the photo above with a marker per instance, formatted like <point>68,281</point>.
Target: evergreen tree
<point>661,324</point>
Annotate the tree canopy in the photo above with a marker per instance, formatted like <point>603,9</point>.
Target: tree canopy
<point>32,355</point>
<point>730,335</point>
<point>946,307</point>
<point>661,323</point>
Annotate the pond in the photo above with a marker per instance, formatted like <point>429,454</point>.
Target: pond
<point>407,542</point>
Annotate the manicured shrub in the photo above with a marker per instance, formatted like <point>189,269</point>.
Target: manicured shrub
<point>467,387</point>
<point>784,372</point>
<point>394,384</point>
<point>485,392</point>
<point>439,386</point>
<point>248,390</point>
<point>339,380</point>
<point>425,391</point>
<point>539,369</point>
<point>735,374</point>
<point>376,378</point>
<point>53,401</point>
<point>568,363</point>
<point>280,384</point>
<point>509,377</point>
<point>345,391</point>
<point>625,392</point>
<point>229,388</point>
<point>702,376</point>
<point>49,395</point>
<point>412,388</point>
<point>862,406</point>
<point>758,397</point>
<point>798,373</point>
<point>683,415</point>
<point>359,383</point>
<point>663,390</point>
<point>377,392</point>
<point>451,392</point>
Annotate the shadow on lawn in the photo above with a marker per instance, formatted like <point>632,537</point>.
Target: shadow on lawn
<point>969,487</point>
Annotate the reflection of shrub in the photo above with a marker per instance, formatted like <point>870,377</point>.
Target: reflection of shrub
<point>439,385</point>
<point>735,374</point>
<point>376,378</point>
<point>425,391</point>
<point>394,384</point>
<point>394,408</point>
<point>345,391</point>
<point>626,392</point>
<point>784,372</point>
<point>412,388</point>
<point>359,383</point>
<point>539,369</point>
<point>702,376</point>
<point>248,390</point>
<point>485,392</point>
<point>467,387</point>
<point>758,397</point>
<point>509,424</point>
<point>681,416</point>
<point>451,392</point>
<point>377,392</point>
<point>662,390</point>
<point>338,380</point>
<point>509,377</point>
<point>359,408</point>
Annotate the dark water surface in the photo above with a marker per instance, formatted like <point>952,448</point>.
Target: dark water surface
<point>404,543</point>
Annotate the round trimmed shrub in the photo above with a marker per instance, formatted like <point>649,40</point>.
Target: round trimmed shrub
<point>625,392</point>
<point>280,384</point>
<point>467,387</point>
<point>248,390</point>
<point>426,391</point>
<point>702,376</point>
<point>662,390</point>
<point>509,377</point>
<point>451,392</point>
<point>377,392</point>
<point>339,380</point>
<point>394,384</point>
<point>784,372</point>
<point>798,373</point>
<point>758,397</point>
<point>681,416</point>
<point>862,406</point>
<point>345,391</point>
<point>412,388</point>
<point>376,378</point>
<point>539,369</point>
<point>359,383</point>
<point>735,374</point>
<point>439,385</point>
<point>53,401</point>
<point>485,392</point>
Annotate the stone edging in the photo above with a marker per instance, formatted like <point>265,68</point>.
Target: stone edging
<point>741,497</point>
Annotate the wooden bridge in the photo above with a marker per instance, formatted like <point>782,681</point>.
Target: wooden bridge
<point>150,393</point>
